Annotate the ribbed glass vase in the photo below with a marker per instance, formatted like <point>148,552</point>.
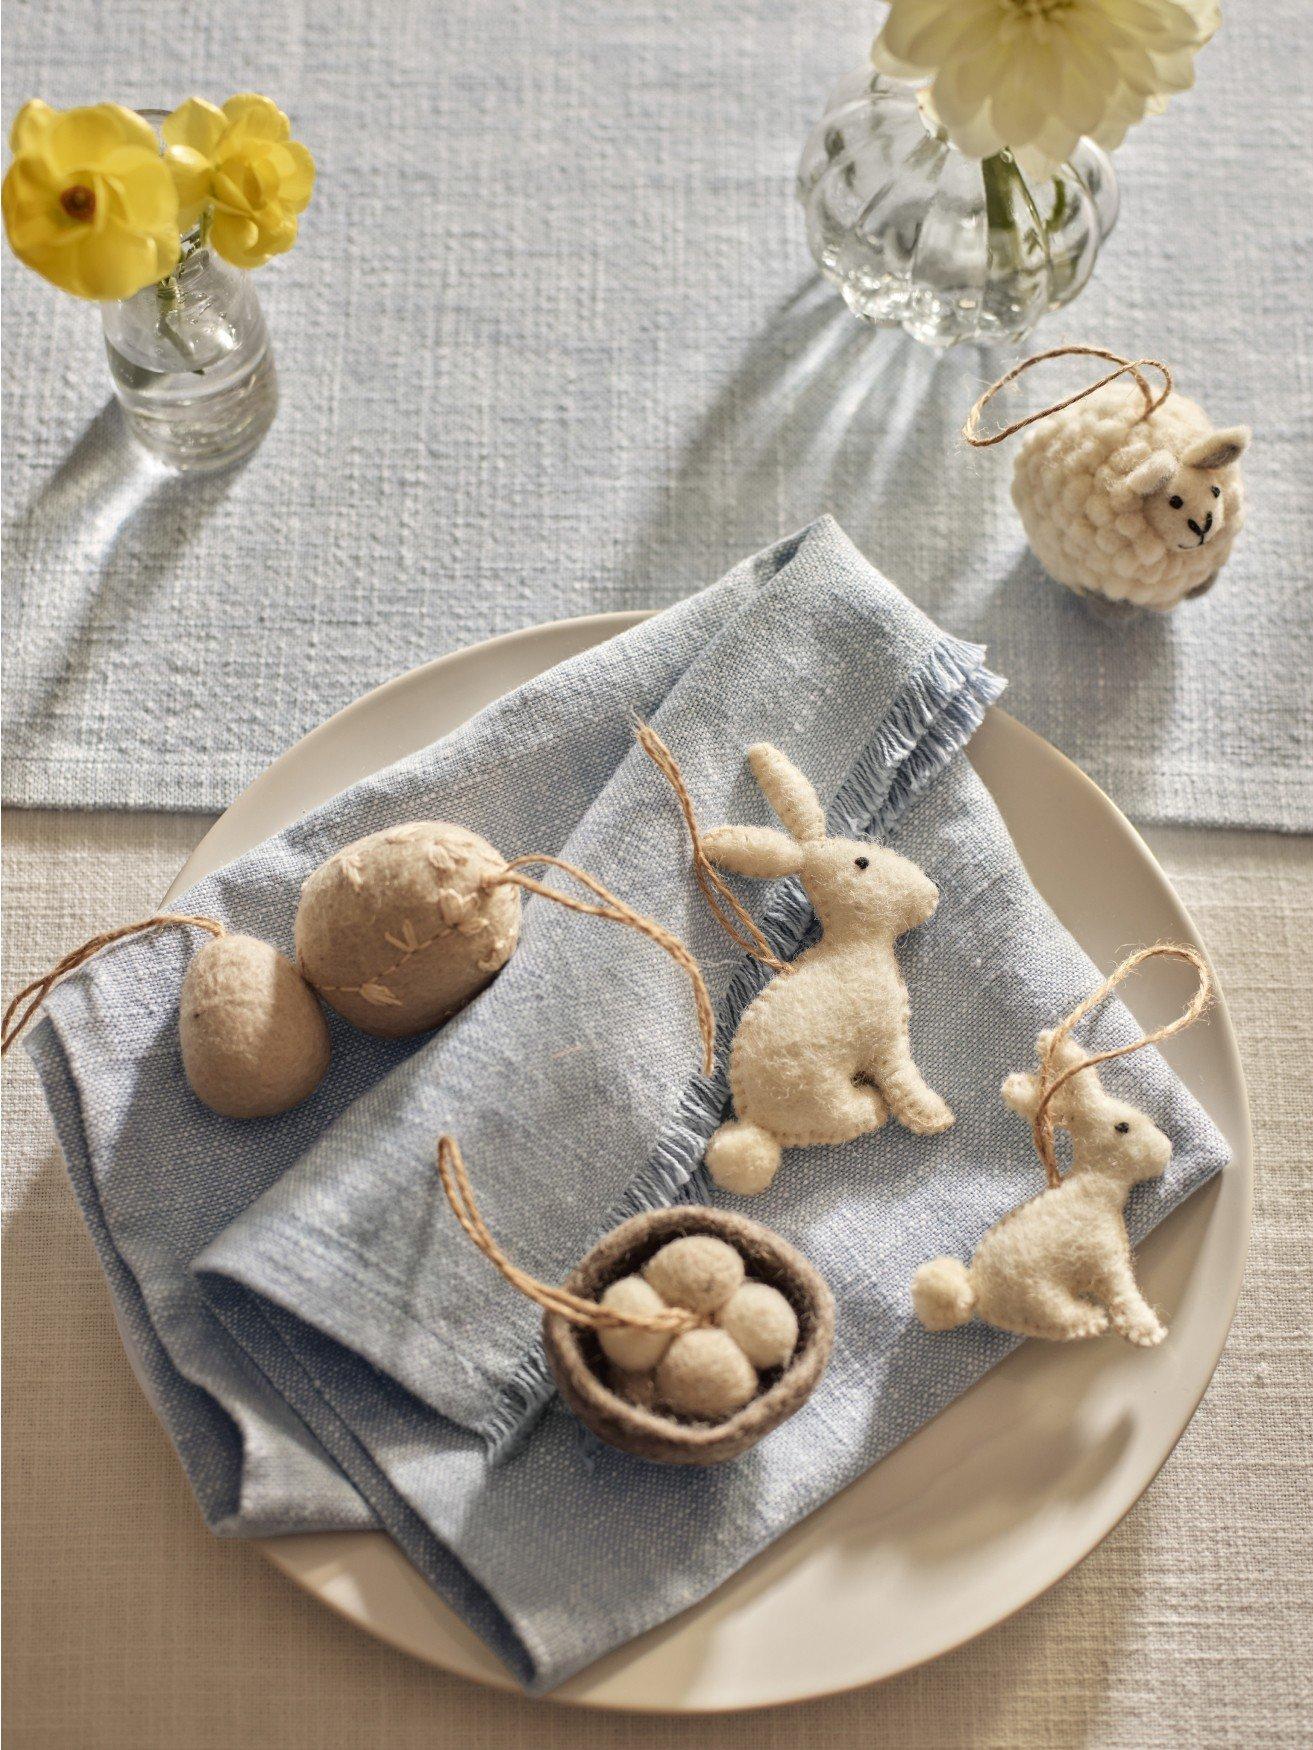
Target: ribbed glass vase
<point>917,235</point>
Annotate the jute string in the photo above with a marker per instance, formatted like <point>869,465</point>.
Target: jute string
<point>1052,1079</point>
<point>971,430</point>
<point>617,912</point>
<point>715,888</point>
<point>40,988</point>
<point>580,1311</point>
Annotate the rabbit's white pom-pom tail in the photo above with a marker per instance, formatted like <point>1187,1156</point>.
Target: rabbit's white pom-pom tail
<point>743,1158</point>
<point>942,1295</point>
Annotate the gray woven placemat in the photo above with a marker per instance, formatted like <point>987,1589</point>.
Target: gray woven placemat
<point>550,344</point>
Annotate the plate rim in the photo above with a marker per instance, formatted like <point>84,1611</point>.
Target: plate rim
<point>253,801</point>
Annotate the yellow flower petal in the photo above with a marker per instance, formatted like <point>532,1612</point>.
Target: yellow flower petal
<point>196,125</point>
<point>146,189</point>
<point>192,179</point>
<point>296,174</point>
<point>107,265</point>
<point>31,125</point>
<point>237,239</point>
<point>81,137</point>
<point>251,117</point>
<point>88,201</point>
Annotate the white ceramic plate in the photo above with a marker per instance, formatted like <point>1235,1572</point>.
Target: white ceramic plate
<point>1007,1490</point>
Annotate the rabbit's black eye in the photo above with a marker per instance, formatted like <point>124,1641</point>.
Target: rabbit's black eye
<point>862,862</point>
<point>1176,501</point>
<point>1217,492</point>
<point>1121,1128</point>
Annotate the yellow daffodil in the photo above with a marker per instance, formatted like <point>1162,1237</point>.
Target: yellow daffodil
<point>241,164</point>
<point>1035,75</point>
<point>88,200</point>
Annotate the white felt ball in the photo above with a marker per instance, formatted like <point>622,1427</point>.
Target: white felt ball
<point>762,1323</point>
<point>634,1351</point>
<point>400,929</point>
<point>698,1272</point>
<point>704,1373</point>
<point>254,1038</point>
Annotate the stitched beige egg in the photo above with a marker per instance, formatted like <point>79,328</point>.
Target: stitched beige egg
<point>254,1038</point>
<point>400,929</point>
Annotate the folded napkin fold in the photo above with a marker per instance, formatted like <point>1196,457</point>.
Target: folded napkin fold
<point>325,1346</point>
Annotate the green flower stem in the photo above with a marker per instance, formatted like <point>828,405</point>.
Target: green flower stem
<point>997,174</point>
<point>169,291</point>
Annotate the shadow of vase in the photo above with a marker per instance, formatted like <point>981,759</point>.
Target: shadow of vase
<point>107,529</point>
<point>823,413</point>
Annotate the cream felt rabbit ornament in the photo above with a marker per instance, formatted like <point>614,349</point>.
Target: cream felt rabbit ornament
<point>822,1054</point>
<point>1060,1265</point>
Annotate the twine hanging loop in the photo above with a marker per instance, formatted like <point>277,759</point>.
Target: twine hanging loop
<point>733,917</point>
<point>591,1314</point>
<point>617,912</point>
<point>1134,367</point>
<point>40,988</point>
<point>1052,1078</point>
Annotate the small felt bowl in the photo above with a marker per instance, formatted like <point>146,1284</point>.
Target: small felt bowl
<point>580,1368</point>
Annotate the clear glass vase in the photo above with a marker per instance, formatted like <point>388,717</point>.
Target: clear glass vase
<point>917,235</point>
<point>192,365</point>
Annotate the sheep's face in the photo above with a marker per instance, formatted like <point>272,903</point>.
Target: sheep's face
<point>1186,499</point>
<point>865,887</point>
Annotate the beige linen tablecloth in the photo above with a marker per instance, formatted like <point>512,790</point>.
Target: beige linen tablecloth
<point>128,1625</point>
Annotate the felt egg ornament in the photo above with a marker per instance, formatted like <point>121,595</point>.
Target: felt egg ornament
<point>400,929</point>
<point>253,1035</point>
<point>1129,497</point>
<point>253,1038</point>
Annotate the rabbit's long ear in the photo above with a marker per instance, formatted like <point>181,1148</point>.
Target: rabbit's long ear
<point>1021,1092</point>
<point>788,793</point>
<point>1084,1092</point>
<point>753,850</point>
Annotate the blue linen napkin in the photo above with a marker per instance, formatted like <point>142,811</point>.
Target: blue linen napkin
<point>323,1343</point>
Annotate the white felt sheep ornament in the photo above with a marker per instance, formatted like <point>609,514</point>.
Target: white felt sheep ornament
<point>822,1054</point>
<point>1131,499</point>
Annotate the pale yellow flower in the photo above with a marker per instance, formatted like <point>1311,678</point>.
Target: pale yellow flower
<point>1035,75</point>
<point>241,165</point>
<point>88,201</point>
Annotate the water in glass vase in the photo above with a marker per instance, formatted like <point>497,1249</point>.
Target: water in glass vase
<point>192,365</point>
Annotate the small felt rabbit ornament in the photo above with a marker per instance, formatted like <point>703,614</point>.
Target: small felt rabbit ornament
<point>1060,1265</point>
<point>1129,498</point>
<point>822,1054</point>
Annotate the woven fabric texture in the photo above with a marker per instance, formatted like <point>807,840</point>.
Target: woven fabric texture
<point>551,343</point>
<point>130,1628</point>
